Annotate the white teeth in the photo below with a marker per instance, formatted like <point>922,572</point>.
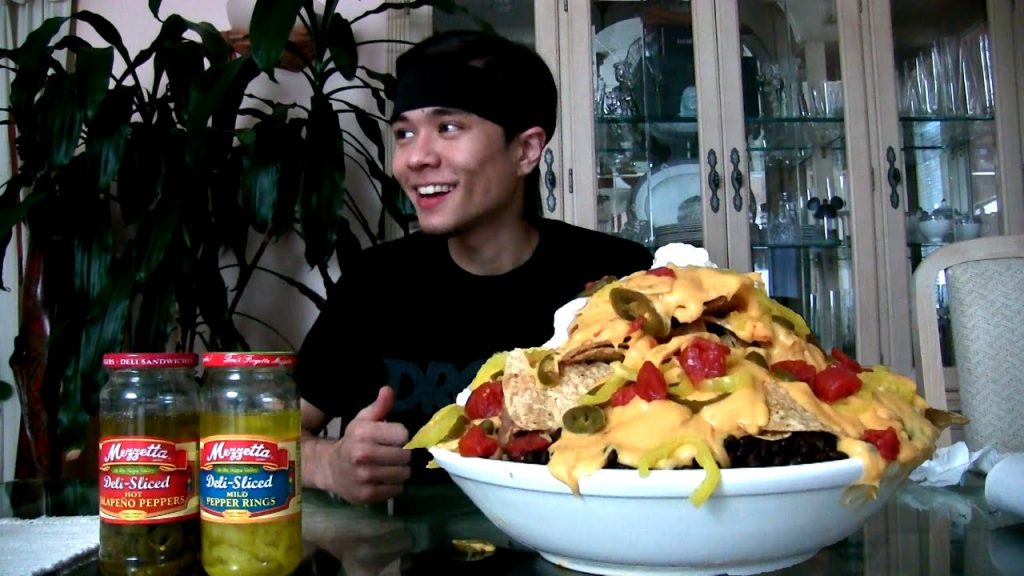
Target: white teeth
<point>433,189</point>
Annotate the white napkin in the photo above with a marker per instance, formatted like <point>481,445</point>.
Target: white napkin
<point>949,464</point>
<point>1004,485</point>
<point>29,547</point>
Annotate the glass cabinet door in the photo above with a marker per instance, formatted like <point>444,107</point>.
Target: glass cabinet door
<point>646,134</point>
<point>946,97</point>
<point>793,200</point>
<point>949,134</point>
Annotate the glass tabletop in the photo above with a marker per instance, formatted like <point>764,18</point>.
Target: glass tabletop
<point>933,531</point>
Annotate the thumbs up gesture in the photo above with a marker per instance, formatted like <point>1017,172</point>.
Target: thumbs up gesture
<point>368,461</point>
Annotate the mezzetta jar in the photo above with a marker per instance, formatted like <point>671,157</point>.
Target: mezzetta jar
<point>249,483</point>
<point>149,436</point>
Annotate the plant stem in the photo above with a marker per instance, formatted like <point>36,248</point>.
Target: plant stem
<point>245,273</point>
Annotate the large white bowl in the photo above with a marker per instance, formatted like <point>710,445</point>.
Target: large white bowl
<point>758,519</point>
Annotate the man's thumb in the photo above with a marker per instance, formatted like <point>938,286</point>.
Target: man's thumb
<point>380,407</point>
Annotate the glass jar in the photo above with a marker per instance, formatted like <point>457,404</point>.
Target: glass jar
<point>249,482</point>
<point>149,437</point>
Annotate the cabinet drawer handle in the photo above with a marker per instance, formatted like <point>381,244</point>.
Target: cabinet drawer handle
<point>549,180</point>
<point>894,177</point>
<point>737,180</point>
<point>714,180</point>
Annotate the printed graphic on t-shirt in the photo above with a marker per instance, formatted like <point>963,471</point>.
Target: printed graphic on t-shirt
<point>427,391</point>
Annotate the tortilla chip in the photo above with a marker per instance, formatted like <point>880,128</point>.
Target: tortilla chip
<point>786,415</point>
<point>601,351</point>
<point>533,406</point>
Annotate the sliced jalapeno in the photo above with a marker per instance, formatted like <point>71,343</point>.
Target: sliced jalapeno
<point>596,285</point>
<point>630,305</point>
<point>583,419</point>
<point>547,372</point>
<point>487,426</point>
<point>757,359</point>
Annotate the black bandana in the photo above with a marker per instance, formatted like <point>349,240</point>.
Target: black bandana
<point>460,86</point>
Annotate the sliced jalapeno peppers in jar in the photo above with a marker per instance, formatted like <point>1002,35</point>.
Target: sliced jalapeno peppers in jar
<point>630,305</point>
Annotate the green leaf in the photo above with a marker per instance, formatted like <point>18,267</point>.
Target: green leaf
<point>259,192</point>
<point>142,171</point>
<point>220,87</point>
<point>215,47</point>
<point>59,120</point>
<point>347,246</point>
<point>6,391</point>
<point>212,301</point>
<point>13,211</point>
<point>371,128</point>
<point>154,8</point>
<point>272,23</point>
<point>93,67</point>
<point>156,230</point>
<point>227,217</point>
<point>184,64</point>
<point>447,6</point>
<point>108,135</point>
<point>387,81</point>
<point>264,148</point>
<point>290,182</point>
<point>33,58</point>
<point>342,44</point>
<point>107,31</point>
<point>323,184</point>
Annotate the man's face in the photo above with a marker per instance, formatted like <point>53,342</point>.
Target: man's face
<point>456,169</point>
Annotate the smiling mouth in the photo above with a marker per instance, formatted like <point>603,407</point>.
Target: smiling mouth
<point>434,189</point>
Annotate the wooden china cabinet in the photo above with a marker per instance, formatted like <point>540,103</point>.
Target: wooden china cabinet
<point>828,144</point>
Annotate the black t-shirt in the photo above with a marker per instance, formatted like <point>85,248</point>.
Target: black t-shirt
<point>404,314</point>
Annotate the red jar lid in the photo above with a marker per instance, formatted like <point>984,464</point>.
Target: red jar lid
<point>248,359</point>
<point>150,361</point>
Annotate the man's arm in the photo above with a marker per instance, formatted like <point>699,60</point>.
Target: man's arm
<point>367,464</point>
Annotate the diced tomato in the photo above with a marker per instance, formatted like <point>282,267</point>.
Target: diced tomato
<point>475,443</point>
<point>887,441</point>
<point>846,362</point>
<point>650,383</point>
<point>623,395</point>
<point>834,383</point>
<point>702,359</point>
<point>486,401</point>
<point>797,368</point>
<point>664,271</point>
<point>519,446</point>
<point>636,325</point>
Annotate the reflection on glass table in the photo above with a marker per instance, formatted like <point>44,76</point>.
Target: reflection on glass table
<point>923,531</point>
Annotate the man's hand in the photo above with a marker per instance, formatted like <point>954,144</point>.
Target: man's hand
<point>367,464</point>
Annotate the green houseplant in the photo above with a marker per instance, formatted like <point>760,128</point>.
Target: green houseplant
<point>137,198</point>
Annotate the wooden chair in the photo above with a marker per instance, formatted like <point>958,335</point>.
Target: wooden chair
<point>985,283</point>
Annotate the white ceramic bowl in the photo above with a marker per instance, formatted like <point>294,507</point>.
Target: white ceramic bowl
<point>758,519</point>
<point>935,229</point>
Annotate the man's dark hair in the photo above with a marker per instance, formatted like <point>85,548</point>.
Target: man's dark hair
<point>488,75</point>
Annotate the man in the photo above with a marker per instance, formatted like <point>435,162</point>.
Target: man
<point>412,320</point>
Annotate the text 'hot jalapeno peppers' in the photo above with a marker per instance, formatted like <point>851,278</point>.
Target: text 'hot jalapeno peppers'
<point>146,480</point>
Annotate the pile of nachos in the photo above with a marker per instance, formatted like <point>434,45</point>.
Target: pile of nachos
<point>687,367</point>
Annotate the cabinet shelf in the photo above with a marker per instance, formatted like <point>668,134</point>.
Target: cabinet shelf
<point>943,132</point>
<point>806,244</point>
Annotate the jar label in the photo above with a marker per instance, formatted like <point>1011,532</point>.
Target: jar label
<point>245,479</point>
<point>146,480</point>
